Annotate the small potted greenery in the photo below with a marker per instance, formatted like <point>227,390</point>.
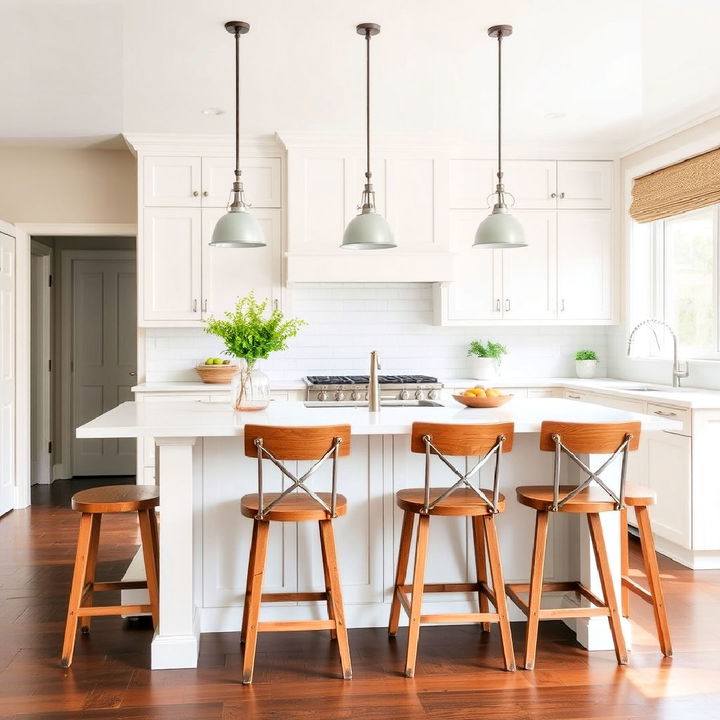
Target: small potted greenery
<point>486,358</point>
<point>250,334</point>
<point>586,362</point>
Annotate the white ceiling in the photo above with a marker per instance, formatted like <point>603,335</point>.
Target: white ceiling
<point>622,72</point>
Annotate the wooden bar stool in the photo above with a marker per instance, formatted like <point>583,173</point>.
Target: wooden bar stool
<point>616,439</point>
<point>294,443</point>
<point>641,498</point>
<point>464,500</point>
<point>93,503</point>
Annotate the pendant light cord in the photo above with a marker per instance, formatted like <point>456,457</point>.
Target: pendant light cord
<point>237,105</point>
<point>499,173</point>
<point>368,174</point>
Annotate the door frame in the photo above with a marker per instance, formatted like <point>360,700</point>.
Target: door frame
<point>23,233</point>
<point>67,258</point>
<point>40,415</point>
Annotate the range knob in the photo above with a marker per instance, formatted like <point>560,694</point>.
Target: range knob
<point>404,394</point>
<point>354,395</point>
<point>339,395</point>
<point>322,396</point>
<point>419,394</point>
<point>433,395</point>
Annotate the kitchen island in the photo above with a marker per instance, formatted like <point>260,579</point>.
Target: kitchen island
<point>204,541</point>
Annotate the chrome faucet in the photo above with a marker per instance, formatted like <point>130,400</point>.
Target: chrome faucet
<point>373,386</point>
<point>677,373</point>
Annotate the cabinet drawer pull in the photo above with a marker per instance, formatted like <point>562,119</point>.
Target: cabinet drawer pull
<point>497,305</point>
<point>562,196</point>
<point>562,305</point>
<point>194,305</point>
<point>507,305</point>
<point>574,397</point>
<point>664,414</point>
<point>205,305</point>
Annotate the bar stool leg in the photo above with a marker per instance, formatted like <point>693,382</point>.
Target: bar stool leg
<point>421,545</point>
<point>536,583</point>
<point>256,581</point>
<point>326,532</point>
<point>328,587</point>
<point>78,581</point>
<point>248,584</point>
<point>90,569</point>
<point>151,570</point>
<point>624,564</point>
<point>152,514</point>
<point>401,572</point>
<point>647,544</point>
<point>606,582</point>
<point>493,549</point>
<point>481,565</point>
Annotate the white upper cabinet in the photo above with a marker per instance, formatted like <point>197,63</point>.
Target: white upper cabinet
<point>207,181</point>
<point>170,270</point>
<point>585,265</point>
<point>528,274</point>
<point>172,181</point>
<point>470,182</point>
<point>584,184</point>
<point>533,183</point>
<point>229,273</point>
<point>261,177</point>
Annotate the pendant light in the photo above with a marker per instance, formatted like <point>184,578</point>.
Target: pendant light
<point>368,230</point>
<point>238,228</point>
<point>500,229</point>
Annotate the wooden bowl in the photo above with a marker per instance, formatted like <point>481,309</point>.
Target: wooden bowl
<point>216,374</point>
<point>483,402</point>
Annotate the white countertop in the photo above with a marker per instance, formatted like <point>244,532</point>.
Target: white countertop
<point>212,419</point>
<point>206,388</point>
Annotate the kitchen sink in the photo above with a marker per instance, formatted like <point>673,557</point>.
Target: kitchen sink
<point>363,404</point>
<point>645,388</point>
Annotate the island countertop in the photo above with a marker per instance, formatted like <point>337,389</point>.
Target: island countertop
<point>209,419</point>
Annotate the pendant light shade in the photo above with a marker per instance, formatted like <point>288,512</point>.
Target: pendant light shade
<point>238,228</point>
<point>368,230</point>
<point>500,229</point>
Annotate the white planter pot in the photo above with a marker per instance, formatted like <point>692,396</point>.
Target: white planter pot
<point>484,368</point>
<point>585,368</point>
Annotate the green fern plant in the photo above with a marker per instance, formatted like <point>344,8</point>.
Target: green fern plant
<point>586,355</point>
<point>488,350</point>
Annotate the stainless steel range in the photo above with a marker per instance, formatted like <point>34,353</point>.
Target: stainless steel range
<point>354,388</point>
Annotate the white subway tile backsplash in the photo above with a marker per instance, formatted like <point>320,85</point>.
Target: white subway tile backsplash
<point>346,321</point>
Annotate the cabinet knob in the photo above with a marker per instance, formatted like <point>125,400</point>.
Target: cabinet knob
<point>205,193</point>
<point>553,195</point>
<point>562,195</point>
<point>195,193</point>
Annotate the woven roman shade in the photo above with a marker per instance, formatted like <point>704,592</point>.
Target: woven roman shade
<point>687,185</point>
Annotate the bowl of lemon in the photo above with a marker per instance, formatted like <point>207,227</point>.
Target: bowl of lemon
<point>481,397</point>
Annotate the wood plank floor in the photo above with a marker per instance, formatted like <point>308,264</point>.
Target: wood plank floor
<point>459,671</point>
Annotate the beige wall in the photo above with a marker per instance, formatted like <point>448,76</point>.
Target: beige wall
<point>67,186</point>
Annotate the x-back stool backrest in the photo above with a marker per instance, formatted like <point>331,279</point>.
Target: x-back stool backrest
<point>278,444</point>
<point>571,439</point>
<point>442,440</point>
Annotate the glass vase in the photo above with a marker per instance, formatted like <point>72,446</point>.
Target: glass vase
<point>250,387</point>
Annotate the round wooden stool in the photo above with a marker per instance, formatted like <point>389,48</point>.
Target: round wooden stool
<point>294,443</point>
<point>640,498</point>
<point>571,439</point>
<point>93,503</point>
<point>460,500</point>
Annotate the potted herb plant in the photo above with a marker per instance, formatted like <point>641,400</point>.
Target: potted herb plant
<point>250,334</point>
<point>586,362</point>
<point>486,358</point>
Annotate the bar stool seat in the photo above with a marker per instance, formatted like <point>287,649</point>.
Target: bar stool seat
<point>462,503</point>
<point>292,508</point>
<point>93,504</point>
<point>592,499</point>
<point>640,498</point>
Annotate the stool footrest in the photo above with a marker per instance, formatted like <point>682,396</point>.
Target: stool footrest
<point>98,610</point>
<point>460,617</point>
<point>404,590</point>
<point>294,597</point>
<point>600,608</point>
<point>638,589</point>
<point>296,625</point>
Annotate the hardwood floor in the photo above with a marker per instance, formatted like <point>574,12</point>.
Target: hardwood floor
<point>459,671</point>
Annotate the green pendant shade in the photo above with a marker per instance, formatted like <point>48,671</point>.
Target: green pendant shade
<point>237,229</point>
<point>500,230</point>
<point>368,231</point>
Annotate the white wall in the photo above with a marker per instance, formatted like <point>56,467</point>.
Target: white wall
<point>346,321</point>
<point>695,140</point>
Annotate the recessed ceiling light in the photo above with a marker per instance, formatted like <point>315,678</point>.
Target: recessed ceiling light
<point>213,111</point>
<point>555,116</point>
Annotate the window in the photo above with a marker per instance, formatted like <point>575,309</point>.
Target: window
<point>674,277</point>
